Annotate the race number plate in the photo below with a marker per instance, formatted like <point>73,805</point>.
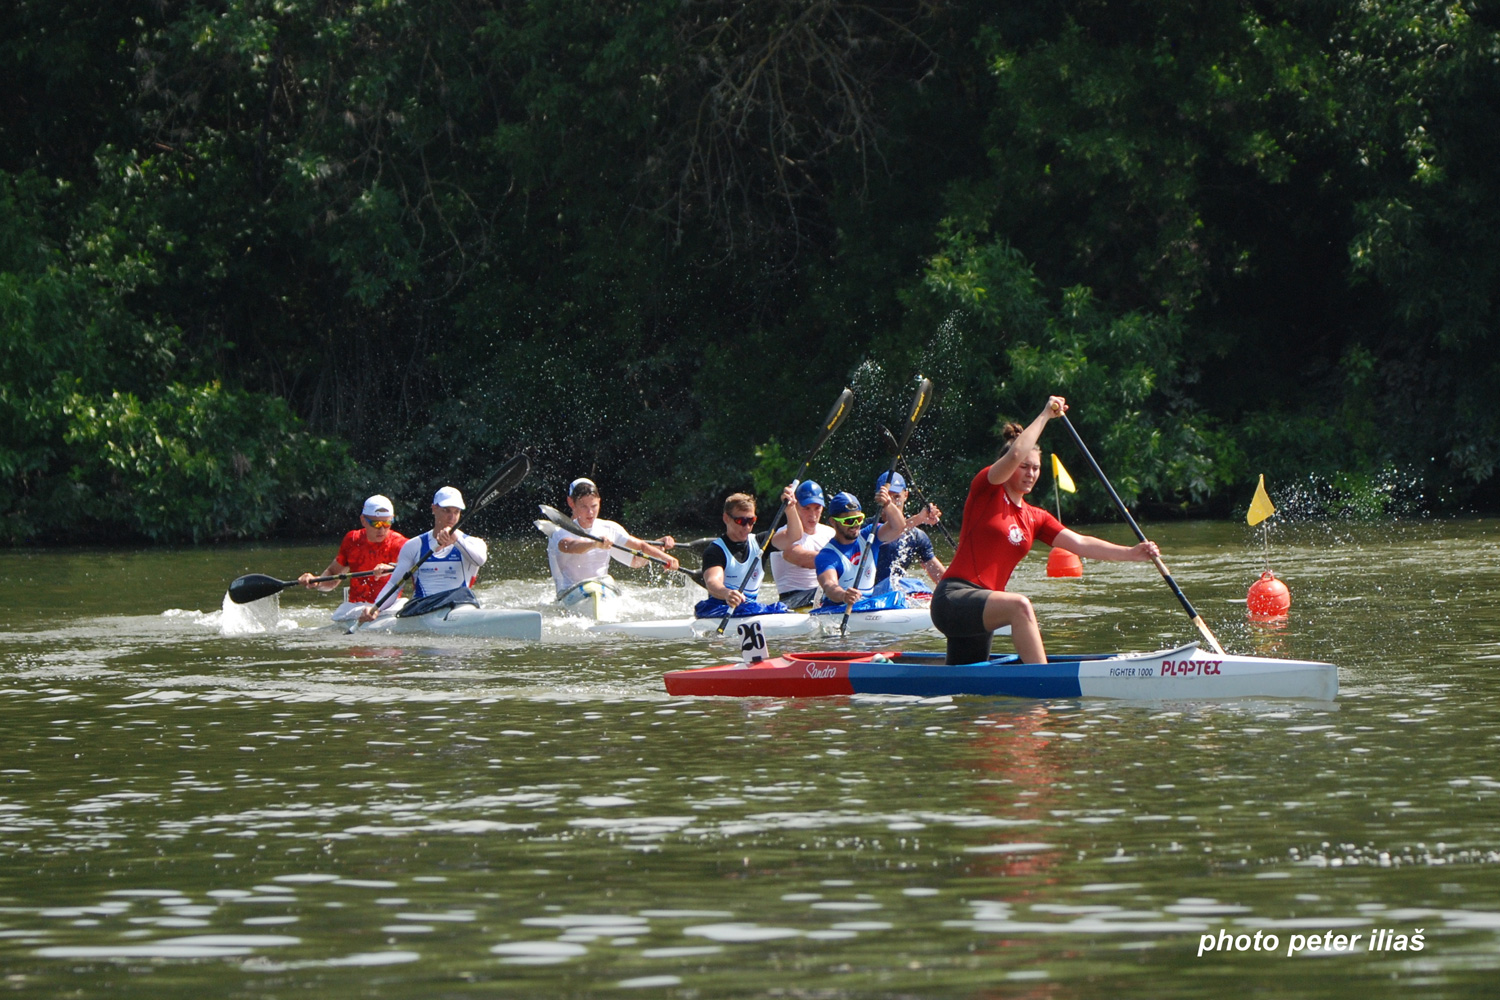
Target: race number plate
<point>752,643</point>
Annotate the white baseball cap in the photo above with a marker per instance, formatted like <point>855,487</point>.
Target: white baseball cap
<point>573,487</point>
<point>448,496</point>
<point>379,507</point>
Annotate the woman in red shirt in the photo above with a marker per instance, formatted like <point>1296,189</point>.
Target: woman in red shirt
<point>971,602</point>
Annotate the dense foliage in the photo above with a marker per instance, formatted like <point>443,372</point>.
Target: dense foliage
<point>260,257</point>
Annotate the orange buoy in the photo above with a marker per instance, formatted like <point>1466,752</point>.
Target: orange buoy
<point>1268,597</point>
<point>1061,562</point>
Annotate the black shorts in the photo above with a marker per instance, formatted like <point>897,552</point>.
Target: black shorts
<point>958,613</point>
<point>801,600</point>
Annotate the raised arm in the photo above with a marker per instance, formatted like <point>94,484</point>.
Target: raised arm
<point>1005,466</point>
<point>894,524</point>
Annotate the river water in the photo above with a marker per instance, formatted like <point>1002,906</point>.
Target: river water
<point>197,801</point>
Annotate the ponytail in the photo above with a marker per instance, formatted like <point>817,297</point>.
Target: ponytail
<point>1009,431</point>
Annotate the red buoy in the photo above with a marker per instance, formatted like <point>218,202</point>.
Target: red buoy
<point>1061,562</point>
<point>1268,597</point>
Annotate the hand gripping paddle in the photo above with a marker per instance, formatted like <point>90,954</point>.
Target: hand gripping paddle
<point>1161,568</point>
<point>918,407</point>
<point>894,447</point>
<point>831,423</point>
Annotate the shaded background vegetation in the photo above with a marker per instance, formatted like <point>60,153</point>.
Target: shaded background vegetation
<point>259,259</point>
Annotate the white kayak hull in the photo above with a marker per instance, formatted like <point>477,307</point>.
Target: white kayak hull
<point>772,626</point>
<point>465,620</point>
<point>1189,674</point>
<point>887,621</point>
<point>596,599</point>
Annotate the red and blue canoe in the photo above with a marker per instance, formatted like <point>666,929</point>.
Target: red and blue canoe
<point>1184,673</point>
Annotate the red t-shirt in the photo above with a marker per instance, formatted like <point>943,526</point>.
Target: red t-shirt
<point>358,554</point>
<point>997,534</point>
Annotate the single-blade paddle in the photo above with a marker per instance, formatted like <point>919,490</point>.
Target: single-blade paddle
<point>1160,566</point>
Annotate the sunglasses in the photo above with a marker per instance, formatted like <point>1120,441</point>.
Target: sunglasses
<point>380,524</point>
<point>849,520</point>
<point>744,522</point>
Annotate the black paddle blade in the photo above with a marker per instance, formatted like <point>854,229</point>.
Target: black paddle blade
<point>254,586</point>
<point>836,416</point>
<point>891,444</point>
<point>505,479</point>
<point>918,407</point>
<point>562,520</point>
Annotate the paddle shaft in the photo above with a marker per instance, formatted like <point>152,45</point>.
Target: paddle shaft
<point>830,424</point>
<point>912,482</point>
<point>918,405</point>
<point>257,586</point>
<point>1156,560</point>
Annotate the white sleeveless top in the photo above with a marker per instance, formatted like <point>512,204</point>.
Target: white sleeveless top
<point>789,577</point>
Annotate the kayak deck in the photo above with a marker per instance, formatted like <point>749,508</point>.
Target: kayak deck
<point>1184,673</point>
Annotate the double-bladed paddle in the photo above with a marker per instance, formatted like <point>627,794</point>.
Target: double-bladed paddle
<point>255,586</point>
<point>1160,566</point>
<point>566,523</point>
<point>895,449</point>
<point>918,407</point>
<point>831,423</point>
<point>505,479</point>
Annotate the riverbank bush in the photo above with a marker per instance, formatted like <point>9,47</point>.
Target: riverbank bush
<point>650,242</point>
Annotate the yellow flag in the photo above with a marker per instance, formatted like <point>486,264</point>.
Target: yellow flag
<point>1064,481</point>
<point>1260,505</point>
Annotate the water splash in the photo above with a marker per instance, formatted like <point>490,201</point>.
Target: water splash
<point>254,618</point>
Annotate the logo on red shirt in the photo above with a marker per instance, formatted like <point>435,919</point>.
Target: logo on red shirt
<point>1017,536</point>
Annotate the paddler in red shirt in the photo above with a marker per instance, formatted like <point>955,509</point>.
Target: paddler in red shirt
<point>372,546</point>
<point>971,602</point>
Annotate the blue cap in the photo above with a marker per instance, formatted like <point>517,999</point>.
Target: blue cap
<point>898,483</point>
<point>809,493</point>
<point>842,503</point>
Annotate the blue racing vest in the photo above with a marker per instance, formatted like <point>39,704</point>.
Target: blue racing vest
<point>742,576</point>
<point>438,573</point>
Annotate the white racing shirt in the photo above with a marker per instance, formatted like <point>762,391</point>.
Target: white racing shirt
<point>788,577</point>
<point>570,569</point>
<point>452,566</point>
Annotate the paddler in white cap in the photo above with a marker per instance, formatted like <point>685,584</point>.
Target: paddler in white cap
<point>449,558</point>
<point>574,560</point>
<point>374,545</point>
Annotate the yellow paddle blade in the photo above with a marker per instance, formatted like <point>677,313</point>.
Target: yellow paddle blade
<point>1261,506</point>
<point>1064,481</point>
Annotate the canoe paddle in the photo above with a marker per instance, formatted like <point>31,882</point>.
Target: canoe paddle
<point>831,423</point>
<point>895,449</point>
<point>1160,566</point>
<point>918,407</point>
<point>255,586</point>
<point>566,523</point>
<point>505,479</point>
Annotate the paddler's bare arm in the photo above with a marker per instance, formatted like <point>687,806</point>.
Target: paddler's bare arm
<point>894,523</point>
<point>791,533</point>
<point>713,582</point>
<point>1097,548</point>
<point>829,581</point>
<point>1005,466</point>
<point>641,545</point>
<point>334,568</point>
